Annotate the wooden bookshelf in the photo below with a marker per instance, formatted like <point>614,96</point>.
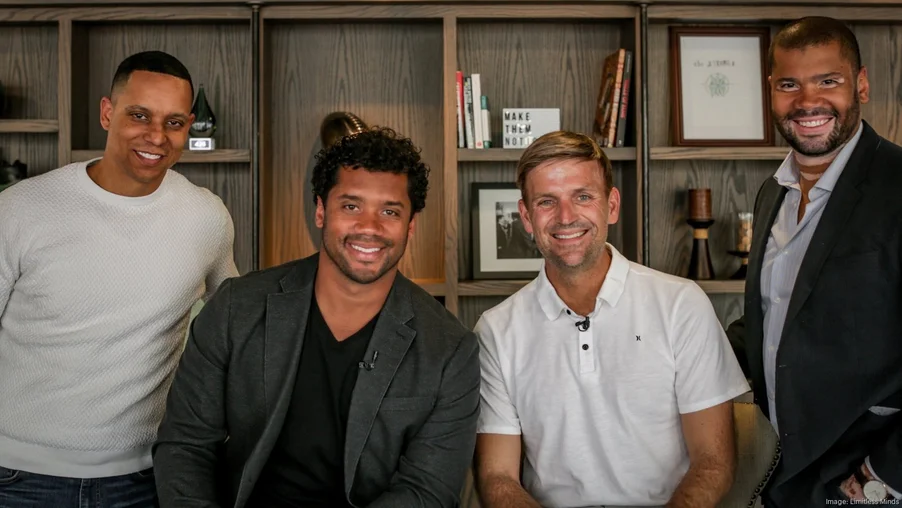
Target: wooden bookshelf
<point>672,153</point>
<point>10,126</point>
<point>513,154</point>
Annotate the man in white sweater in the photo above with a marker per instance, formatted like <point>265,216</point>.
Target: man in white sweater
<point>100,264</point>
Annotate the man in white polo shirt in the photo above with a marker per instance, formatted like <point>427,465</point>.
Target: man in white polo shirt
<point>617,378</point>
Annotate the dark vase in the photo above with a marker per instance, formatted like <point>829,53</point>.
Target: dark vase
<point>204,120</point>
<point>700,265</point>
<point>11,173</point>
<point>338,125</point>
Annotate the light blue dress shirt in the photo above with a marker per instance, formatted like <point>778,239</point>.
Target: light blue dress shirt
<point>786,247</point>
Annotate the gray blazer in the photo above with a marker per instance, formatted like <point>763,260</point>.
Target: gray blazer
<point>412,425</point>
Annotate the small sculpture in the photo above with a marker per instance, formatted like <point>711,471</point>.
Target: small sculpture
<point>338,125</point>
<point>11,173</point>
<point>201,131</point>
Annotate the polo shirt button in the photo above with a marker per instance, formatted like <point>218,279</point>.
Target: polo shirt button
<point>568,312</point>
<point>585,347</point>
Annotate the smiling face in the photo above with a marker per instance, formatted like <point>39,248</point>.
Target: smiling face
<point>366,223</point>
<point>147,121</point>
<point>568,211</point>
<point>816,97</point>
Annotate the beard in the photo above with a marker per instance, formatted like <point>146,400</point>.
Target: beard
<point>843,128</point>
<point>335,250</point>
<point>564,262</point>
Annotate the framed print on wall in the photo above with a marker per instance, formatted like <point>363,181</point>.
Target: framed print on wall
<point>719,90</point>
<point>502,249</point>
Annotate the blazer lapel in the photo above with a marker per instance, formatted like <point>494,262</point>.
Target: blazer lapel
<point>839,208</point>
<point>286,320</point>
<point>389,344</point>
<point>772,195</point>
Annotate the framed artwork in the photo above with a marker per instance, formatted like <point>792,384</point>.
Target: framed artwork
<point>502,249</point>
<point>719,89</point>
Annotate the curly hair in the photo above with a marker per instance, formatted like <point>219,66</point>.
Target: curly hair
<point>375,149</point>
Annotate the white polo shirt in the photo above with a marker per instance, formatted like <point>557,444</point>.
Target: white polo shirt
<point>599,410</point>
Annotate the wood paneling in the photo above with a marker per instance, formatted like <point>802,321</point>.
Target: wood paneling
<point>38,151</point>
<point>734,185</point>
<point>472,307</point>
<point>881,53</point>
<point>449,175</point>
<point>218,56</point>
<point>382,11</point>
<point>758,13</point>
<point>232,183</point>
<point>389,75</point>
<point>64,91</point>
<point>28,71</point>
<point>470,172</point>
<point>777,153</point>
<point>538,65</point>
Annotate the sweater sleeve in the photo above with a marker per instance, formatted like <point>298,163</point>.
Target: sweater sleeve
<point>223,266</point>
<point>9,248</point>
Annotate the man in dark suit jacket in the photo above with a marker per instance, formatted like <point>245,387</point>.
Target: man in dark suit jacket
<point>822,333</point>
<point>332,381</point>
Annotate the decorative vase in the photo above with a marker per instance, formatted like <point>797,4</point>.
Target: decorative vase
<point>700,218</point>
<point>338,125</point>
<point>204,120</point>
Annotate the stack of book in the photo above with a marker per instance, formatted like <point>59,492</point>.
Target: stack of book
<point>613,99</point>
<point>473,127</point>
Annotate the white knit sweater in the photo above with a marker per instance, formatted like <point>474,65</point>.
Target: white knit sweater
<point>95,295</point>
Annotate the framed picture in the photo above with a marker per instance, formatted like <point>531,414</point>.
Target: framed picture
<point>502,249</point>
<point>719,89</point>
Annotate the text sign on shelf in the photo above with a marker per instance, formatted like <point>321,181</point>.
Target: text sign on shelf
<point>522,126</point>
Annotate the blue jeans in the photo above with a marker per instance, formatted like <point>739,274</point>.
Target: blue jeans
<point>21,489</point>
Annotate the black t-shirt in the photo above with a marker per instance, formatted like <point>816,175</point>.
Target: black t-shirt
<point>306,467</point>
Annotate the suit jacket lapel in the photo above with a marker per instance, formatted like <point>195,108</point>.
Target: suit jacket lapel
<point>390,341</point>
<point>286,320</point>
<point>772,196</point>
<point>839,208</point>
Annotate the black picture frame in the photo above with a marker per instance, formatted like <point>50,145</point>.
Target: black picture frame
<point>518,258</point>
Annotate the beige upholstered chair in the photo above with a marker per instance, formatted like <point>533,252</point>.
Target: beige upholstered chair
<point>758,450</point>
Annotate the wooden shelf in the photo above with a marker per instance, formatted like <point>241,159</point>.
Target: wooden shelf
<point>513,155</point>
<point>509,287</point>
<point>490,287</point>
<point>435,287</point>
<point>29,126</point>
<point>187,157</point>
<point>722,287</point>
<point>719,153</point>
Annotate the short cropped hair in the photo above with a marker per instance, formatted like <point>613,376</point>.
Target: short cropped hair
<point>377,149</point>
<point>151,61</point>
<point>817,31</point>
<point>563,145</point>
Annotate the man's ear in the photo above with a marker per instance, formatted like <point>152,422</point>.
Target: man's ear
<point>106,113</point>
<point>524,216</point>
<point>320,212</point>
<point>864,86</point>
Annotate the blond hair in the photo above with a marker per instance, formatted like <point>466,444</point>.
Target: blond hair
<point>563,145</point>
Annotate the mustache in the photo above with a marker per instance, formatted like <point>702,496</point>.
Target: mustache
<point>801,114</point>
<point>377,240</point>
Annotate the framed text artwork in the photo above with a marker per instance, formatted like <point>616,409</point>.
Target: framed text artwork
<point>502,248</point>
<point>719,86</point>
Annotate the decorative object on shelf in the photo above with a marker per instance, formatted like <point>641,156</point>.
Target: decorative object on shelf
<point>612,107</point>
<point>700,218</point>
<point>201,131</point>
<point>743,244</point>
<point>719,86</point>
<point>522,126</point>
<point>12,173</point>
<point>502,249</point>
<point>338,125</point>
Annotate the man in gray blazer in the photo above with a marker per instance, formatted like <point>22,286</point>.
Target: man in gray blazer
<point>332,380</point>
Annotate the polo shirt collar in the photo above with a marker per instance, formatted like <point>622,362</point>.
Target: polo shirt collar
<point>611,289</point>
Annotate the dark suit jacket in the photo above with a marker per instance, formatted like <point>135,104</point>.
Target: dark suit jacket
<point>841,349</point>
<point>412,425</point>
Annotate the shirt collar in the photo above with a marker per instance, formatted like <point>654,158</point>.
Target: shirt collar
<point>610,292</point>
<point>788,174</point>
